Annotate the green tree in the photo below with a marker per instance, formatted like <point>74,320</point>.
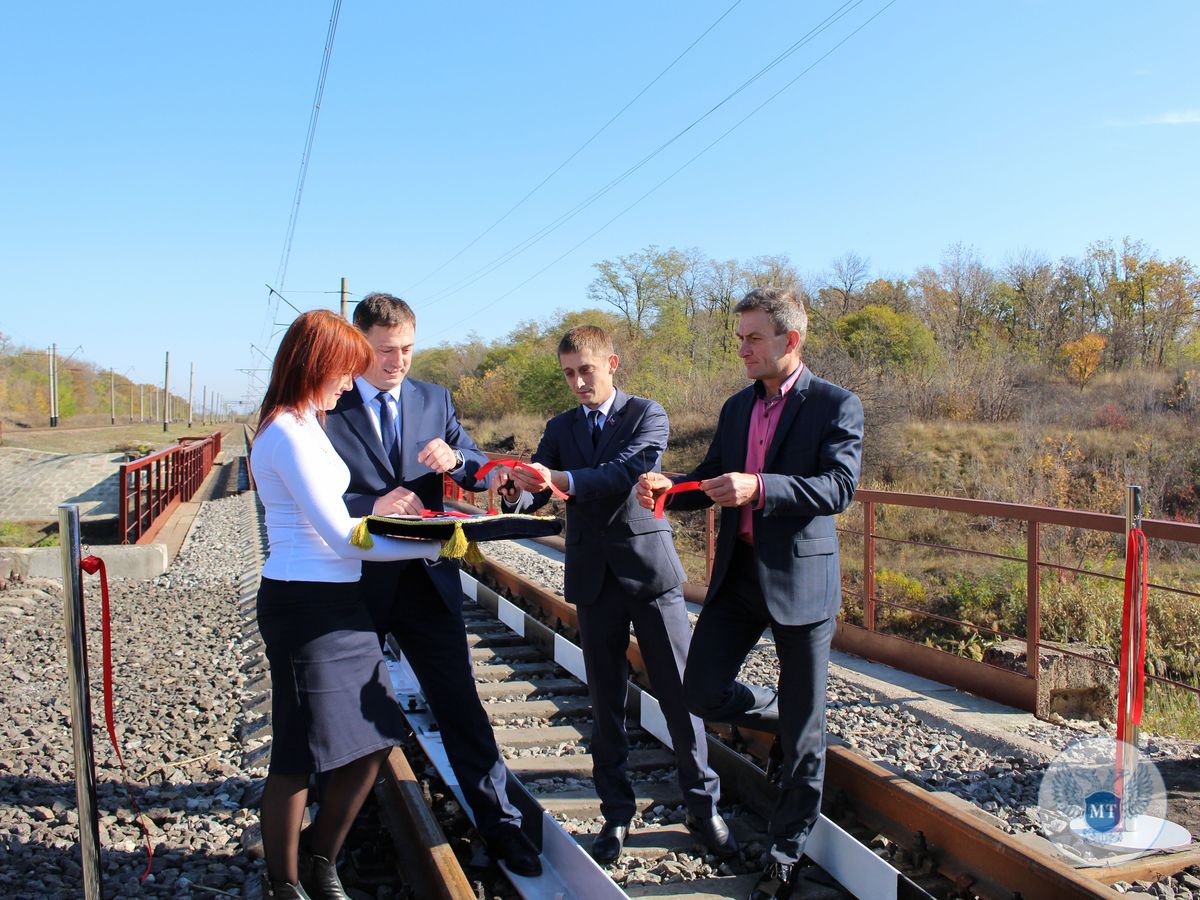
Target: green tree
<point>541,387</point>
<point>882,338</point>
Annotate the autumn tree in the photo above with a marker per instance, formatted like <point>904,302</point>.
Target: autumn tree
<point>1083,358</point>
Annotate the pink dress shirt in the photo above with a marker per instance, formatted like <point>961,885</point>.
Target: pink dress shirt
<point>764,419</point>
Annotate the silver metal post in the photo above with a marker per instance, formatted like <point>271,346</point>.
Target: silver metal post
<point>81,705</point>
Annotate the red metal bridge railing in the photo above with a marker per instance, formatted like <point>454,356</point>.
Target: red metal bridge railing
<point>151,487</point>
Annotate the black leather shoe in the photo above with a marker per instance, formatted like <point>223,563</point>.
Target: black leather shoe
<point>515,850</point>
<point>777,883</point>
<point>319,877</point>
<point>607,846</point>
<point>285,890</point>
<point>715,834</point>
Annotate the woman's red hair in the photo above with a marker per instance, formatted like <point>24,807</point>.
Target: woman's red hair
<point>317,346</point>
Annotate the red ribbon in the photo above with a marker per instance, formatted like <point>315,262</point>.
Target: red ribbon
<point>661,503</point>
<point>1135,562</point>
<point>517,464</point>
<point>91,565</point>
<point>445,513</point>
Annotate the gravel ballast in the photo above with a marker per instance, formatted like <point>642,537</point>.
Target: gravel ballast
<point>177,655</point>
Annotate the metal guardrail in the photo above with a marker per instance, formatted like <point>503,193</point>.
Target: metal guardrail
<point>151,487</point>
<point>1013,688</point>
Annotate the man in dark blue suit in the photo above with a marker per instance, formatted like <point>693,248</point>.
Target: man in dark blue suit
<point>621,569</point>
<point>394,432</point>
<point>783,462</point>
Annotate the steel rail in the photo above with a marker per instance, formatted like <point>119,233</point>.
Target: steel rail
<point>428,861</point>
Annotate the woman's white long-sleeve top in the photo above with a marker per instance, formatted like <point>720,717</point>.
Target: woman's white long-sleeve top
<point>301,479</point>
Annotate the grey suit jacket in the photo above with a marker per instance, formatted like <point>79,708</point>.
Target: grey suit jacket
<point>606,528</point>
<point>810,473</point>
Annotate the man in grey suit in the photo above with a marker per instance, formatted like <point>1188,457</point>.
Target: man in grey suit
<point>621,569</point>
<point>783,462</point>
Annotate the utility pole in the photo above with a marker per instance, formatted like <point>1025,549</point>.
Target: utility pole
<point>142,401</point>
<point>167,391</point>
<point>344,316</point>
<point>112,397</point>
<point>191,389</point>
<point>204,405</point>
<point>131,403</point>
<point>53,390</point>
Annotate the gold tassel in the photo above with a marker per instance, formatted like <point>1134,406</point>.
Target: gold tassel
<point>457,546</point>
<point>474,555</point>
<point>360,537</point>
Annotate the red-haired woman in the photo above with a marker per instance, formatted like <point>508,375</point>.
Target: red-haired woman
<point>332,706</point>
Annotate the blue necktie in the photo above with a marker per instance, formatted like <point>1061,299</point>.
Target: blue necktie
<point>387,431</point>
<point>597,428</point>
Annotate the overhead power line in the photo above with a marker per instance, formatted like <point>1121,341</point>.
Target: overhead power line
<point>537,187</point>
<point>519,248</point>
<point>652,190</point>
<point>306,156</point>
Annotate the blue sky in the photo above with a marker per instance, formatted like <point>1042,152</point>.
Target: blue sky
<point>151,153</point>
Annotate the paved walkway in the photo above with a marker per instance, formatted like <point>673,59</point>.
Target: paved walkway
<point>33,483</point>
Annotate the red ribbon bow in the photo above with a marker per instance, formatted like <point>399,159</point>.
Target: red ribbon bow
<point>517,464</point>
<point>91,565</point>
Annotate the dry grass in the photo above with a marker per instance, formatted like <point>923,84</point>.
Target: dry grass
<point>515,433</point>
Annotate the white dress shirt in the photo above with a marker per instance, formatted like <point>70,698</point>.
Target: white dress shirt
<point>301,479</point>
<point>370,393</point>
<point>605,408</point>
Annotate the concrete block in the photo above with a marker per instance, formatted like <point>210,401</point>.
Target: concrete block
<point>138,561</point>
<point>1079,685</point>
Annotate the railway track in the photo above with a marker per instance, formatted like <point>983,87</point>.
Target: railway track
<point>525,662</point>
<point>530,679</point>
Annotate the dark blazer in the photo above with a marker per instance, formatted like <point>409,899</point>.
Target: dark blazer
<point>810,473</point>
<point>605,525</point>
<point>426,413</point>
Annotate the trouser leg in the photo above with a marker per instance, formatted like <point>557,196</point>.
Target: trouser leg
<point>803,672</point>
<point>604,639</point>
<point>664,633</point>
<point>434,641</point>
<point>727,630</point>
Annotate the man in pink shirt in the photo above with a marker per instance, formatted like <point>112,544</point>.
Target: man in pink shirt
<point>784,461</point>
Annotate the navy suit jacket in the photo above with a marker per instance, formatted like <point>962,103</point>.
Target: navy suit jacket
<point>426,412</point>
<point>810,473</point>
<point>606,527</point>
